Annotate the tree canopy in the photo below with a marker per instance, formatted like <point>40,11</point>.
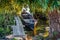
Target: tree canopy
<point>33,4</point>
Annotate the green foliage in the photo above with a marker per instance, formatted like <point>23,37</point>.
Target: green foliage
<point>55,33</point>
<point>14,39</point>
<point>41,17</point>
<point>5,21</point>
<point>34,4</point>
<point>40,37</point>
<point>41,29</point>
<point>2,32</point>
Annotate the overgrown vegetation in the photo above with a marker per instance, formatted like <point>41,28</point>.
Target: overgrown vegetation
<point>6,20</point>
<point>40,9</point>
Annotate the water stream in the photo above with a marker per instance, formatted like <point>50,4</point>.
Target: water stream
<point>18,30</point>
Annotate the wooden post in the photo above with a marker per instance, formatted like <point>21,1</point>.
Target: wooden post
<point>35,32</point>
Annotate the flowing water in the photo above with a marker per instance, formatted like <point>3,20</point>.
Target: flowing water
<point>18,30</point>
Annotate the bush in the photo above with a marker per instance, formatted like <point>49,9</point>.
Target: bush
<point>5,20</point>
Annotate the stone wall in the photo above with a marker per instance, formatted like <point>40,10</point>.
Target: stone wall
<point>54,21</point>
